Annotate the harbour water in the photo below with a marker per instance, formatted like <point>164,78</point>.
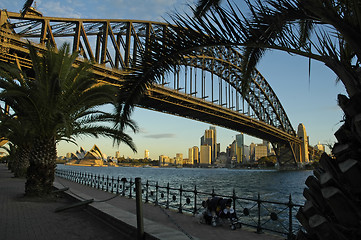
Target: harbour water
<point>272,185</point>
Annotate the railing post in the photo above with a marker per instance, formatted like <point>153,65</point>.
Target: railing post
<point>139,208</point>
<point>259,228</point>
<point>98,182</point>
<point>234,199</point>
<point>167,206</point>
<point>118,183</point>
<point>92,180</point>
<point>180,210</point>
<point>107,186</point>
<point>156,194</point>
<point>124,180</point>
<point>112,186</point>
<point>195,200</point>
<point>130,188</point>
<point>104,187</point>
<point>146,191</point>
<point>290,227</point>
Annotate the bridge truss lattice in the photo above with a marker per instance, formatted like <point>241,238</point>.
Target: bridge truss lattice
<point>205,87</point>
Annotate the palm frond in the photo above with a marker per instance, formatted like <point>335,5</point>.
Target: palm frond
<point>203,6</point>
<point>26,7</point>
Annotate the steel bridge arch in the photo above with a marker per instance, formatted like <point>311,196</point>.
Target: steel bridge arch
<point>118,42</point>
<point>261,97</point>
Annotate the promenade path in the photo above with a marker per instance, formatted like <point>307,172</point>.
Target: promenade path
<point>29,218</point>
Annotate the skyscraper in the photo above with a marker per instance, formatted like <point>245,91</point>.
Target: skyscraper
<point>146,154</point>
<point>206,153</point>
<point>178,159</point>
<point>193,155</point>
<point>215,149</point>
<point>209,138</point>
<point>301,133</point>
<point>239,147</point>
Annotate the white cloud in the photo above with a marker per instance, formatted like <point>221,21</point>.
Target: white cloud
<point>161,136</point>
<point>59,9</point>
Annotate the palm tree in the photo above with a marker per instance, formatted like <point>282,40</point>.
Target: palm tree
<point>328,31</point>
<point>15,132</point>
<point>26,7</point>
<point>58,102</point>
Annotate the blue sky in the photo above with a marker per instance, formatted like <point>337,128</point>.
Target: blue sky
<point>312,103</point>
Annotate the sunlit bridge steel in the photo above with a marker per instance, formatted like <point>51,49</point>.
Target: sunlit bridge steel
<point>205,87</point>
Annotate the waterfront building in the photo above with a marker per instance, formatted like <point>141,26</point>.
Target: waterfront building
<point>222,160</point>
<point>231,152</point>
<point>164,160</point>
<point>239,147</point>
<point>146,154</point>
<point>246,153</point>
<point>193,155</point>
<point>186,161</point>
<point>251,152</point>
<point>260,150</point>
<point>215,146</point>
<point>68,155</point>
<point>209,138</point>
<point>256,151</point>
<point>93,157</point>
<point>320,147</point>
<point>301,133</point>
<point>206,154</point>
<point>178,159</point>
<point>190,156</point>
<point>117,154</point>
<point>268,144</point>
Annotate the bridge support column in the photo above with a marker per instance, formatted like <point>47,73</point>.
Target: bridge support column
<point>288,155</point>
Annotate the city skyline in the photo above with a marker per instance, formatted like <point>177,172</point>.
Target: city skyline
<point>312,103</point>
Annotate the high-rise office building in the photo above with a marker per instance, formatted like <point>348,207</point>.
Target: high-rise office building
<point>320,147</point>
<point>239,147</point>
<point>178,159</point>
<point>205,154</point>
<point>164,160</point>
<point>190,156</point>
<point>146,154</point>
<point>251,152</point>
<point>260,150</point>
<point>268,144</point>
<point>193,155</point>
<point>209,138</point>
<point>301,133</point>
<point>215,149</point>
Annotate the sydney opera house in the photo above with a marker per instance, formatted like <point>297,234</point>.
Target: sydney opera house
<point>93,157</point>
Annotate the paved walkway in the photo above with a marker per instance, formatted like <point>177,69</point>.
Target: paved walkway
<point>24,218</point>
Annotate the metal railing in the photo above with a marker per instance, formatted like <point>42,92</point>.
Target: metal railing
<point>263,215</point>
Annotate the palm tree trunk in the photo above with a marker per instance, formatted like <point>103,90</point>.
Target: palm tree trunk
<point>40,174</point>
<point>21,161</point>
<point>333,196</point>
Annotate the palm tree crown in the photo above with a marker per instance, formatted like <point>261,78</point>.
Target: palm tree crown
<point>58,99</point>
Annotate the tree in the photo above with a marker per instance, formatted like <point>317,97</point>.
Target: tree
<point>58,99</point>
<point>328,31</point>
<point>18,135</point>
<point>26,7</point>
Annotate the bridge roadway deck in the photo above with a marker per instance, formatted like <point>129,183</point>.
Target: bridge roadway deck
<point>30,219</point>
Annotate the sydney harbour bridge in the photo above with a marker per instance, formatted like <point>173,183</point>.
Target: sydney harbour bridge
<point>205,87</point>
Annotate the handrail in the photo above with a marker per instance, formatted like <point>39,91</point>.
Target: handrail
<point>263,215</point>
